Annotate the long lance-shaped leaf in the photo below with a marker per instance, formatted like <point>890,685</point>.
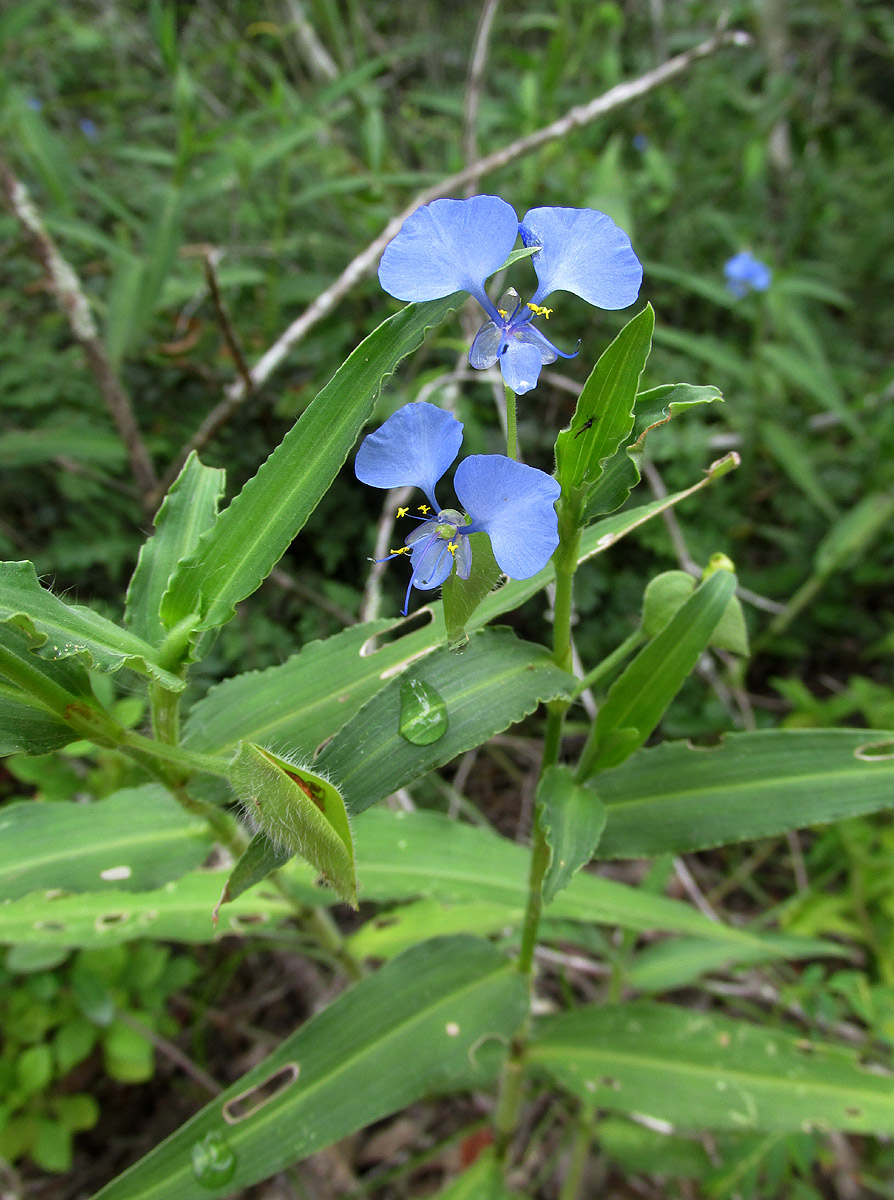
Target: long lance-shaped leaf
<point>497,680</point>
<point>136,839</point>
<point>403,855</point>
<point>638,698</point>
<point>436,1019</point>
<point>251,535</point>
<point>58,630</point>
<point>181,911</point>
<point>188,510</point>
<point>677,798</point>
<point>707,1072</point>
<point>296,705</point>
<point>604,414</point>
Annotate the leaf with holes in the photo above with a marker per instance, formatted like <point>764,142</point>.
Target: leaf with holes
<point>137,838</point>
<point>707,1072</point>
<point>676,798</point>
<point>437,1019</point>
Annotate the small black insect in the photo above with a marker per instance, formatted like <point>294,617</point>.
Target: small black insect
<point>588,424</point>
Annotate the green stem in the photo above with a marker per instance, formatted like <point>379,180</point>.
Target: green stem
<point>583,1136</point>
<point>608,664</point>
<point>165,707</point>
<point>174,755</point>
<point>512,1078</point>
<point>511,424</point>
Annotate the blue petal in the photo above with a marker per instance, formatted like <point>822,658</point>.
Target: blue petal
<point>513,503</point>
<point>744,271</point>
<point>449,246</point>
<point>520,365</point>
<point>584,252</point>
<point>486,346</point>
<point>432,563</point>
<point>463,557</point>
<point>413,448</point>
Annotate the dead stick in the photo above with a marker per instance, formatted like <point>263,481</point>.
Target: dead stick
<point>74,304</point>
<point>575,118</point>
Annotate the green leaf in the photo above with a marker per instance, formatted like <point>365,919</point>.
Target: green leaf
<point>298,810</point>
<point>404,855</point>
<point>462,596</point>
<point>187,511</point>
<point>180,911</point>
<point>27,727</point>
<point>59,631</point>
<point>680,962</point>
<point>251,535</point>
<point>794,458</point>
<point>654,407</point>
<point>257,861</point>
<point>572,819</point>
<point>604,414</point>
<point>135,839</point>
<point>639,696</point>
<point>666,594</point>
<point>854,532</point>
<point>675,798</point>
<point>438,1018</point>
<point>497,680</point>
<point>707,1072</point>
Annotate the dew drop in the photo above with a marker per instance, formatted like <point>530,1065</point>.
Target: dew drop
<point>423,713</point>
<point>213,1160</point>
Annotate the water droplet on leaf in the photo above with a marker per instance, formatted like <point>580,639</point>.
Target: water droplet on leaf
<point>423,713</point>
<point>213,1160</point>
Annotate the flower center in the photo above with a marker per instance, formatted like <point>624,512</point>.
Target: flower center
<point>448,522</point>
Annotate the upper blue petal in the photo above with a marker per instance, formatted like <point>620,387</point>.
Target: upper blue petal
<point>520,364</point>
<point>413,448</point>
<point>584,252</point>
<point>449,246</point>
<point>514,504</point>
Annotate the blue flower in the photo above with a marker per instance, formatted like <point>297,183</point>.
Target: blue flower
<point>510,502</point>
<point>745,273</point>
<point>88,129</point>
<point>455,245</point>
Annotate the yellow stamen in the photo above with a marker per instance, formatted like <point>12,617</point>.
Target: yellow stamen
<point>453,547</point>
<point>402,550</point>
<point>539,311</point>
<point>402,512</point>
<point>502,312</point>
<point>423,508</point>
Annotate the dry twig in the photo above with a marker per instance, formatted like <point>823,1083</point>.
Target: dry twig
<point>74,304</point>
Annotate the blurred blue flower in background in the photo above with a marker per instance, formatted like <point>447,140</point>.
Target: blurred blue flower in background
<point>88,129</point>
<point>509,501</point>
<point>455,245</point>
<point>34,103</point>
<point>745,273</point>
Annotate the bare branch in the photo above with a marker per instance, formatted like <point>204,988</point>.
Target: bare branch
<point>575,118</point>
<point>473,87</point>
<point>74,304</point>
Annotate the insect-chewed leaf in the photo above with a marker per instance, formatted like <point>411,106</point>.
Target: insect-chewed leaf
<point>300,811</point>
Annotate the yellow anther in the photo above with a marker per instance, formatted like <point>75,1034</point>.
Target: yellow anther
<point>502,312</point>
<point>453,547</point>
<point>402,512</point>
<point>423,508</point>
<point>539,311</point>
<point>402,550</point>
